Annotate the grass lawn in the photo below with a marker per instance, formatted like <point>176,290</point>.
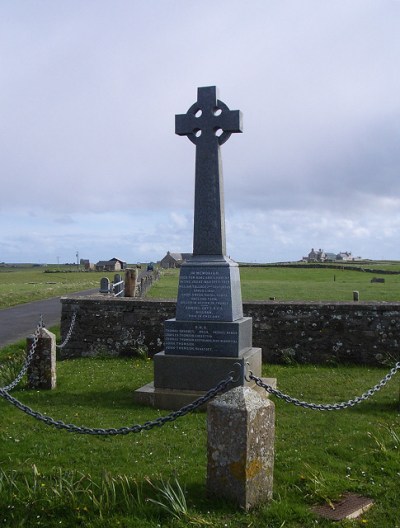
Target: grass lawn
<point>25,284</point>
<point>54,478</point>
<point>294,284</point>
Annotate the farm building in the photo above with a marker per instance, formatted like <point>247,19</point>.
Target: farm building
<point>113,264</point>
<point>174,260</point>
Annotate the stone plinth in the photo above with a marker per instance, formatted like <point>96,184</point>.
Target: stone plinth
<point>240,447</point>
<point>42,369</point>
<point>202,373</point>
<point>179,379</point>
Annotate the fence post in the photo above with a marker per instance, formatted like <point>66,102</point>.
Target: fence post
<point>42,369</point>
<point>130,282</point>
<point>240,447</point>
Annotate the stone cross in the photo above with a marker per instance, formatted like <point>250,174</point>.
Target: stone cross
<point>208,124</point>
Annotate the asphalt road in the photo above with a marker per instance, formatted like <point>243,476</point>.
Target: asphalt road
<point>21,321</point>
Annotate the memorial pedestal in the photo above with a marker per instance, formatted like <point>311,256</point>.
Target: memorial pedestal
<point>207,341</point>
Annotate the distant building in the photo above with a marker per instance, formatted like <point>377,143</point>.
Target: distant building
<point>174,260</point>
<point>86,264</point>
<point>321,256</point>
<point>330,257</point>
<point>345,255</point>
<point>113,264</point>
<point>316,256</point>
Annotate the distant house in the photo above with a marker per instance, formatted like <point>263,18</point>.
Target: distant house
<point>113,264</point>
<point>345,255</point>
<point>321,256</point>
<point>174,260</point>
<point>316,256</point>
<point>86,264</point>
<point>330,257</point>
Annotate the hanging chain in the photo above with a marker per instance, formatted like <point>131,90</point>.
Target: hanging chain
<point>28,358</point>
<point>137,428</point>
<point>69,333</point>
<point>329,406</point>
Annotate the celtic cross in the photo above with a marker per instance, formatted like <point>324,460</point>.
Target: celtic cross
<point>208,124</point>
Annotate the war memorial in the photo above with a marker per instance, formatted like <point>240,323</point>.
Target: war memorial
<point>209,334</point>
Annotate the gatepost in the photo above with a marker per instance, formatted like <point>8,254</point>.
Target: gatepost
<point>42,368</point>
<point>130,282</point>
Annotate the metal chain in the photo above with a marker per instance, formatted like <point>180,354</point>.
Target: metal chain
<point>69,333</point>
<point>158,422</point>
<point>329,406</point>
<point>28,358</point>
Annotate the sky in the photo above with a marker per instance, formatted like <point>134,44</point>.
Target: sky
<point>90,162</point>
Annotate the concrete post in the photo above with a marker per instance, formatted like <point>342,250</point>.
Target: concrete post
<point>42,370</point>
<point>240,447</point>
<point>130,282</point>
<point>356,295</point>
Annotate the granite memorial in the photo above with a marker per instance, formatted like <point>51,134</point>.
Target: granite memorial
<point>209,335</point>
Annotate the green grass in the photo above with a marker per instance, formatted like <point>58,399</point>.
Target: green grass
<point>293,284</point>
<point>24,284</point>
<point>54,478</point>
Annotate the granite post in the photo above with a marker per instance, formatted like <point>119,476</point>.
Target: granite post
<point>240,447</point>
<point>130,282</point>
<point>42,369</point>
<point>209,334</point>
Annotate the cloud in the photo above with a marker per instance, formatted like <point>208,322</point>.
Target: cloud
<point>179,220</point>
<point>89,96</point>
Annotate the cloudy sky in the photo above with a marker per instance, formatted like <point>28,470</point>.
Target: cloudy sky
<point>89,160</point>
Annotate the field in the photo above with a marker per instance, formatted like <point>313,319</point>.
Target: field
<point>24,284</point>
<point>293,284</point>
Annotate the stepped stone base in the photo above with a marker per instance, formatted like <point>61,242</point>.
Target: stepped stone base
<point>179,380</point>
<point>172,399</point>
<point>202,373</point>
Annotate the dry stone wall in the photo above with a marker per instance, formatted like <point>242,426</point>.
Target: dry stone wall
<point>288,332</point>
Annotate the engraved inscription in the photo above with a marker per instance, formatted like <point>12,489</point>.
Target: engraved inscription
<point>199,339</point>
<point>205,294</point>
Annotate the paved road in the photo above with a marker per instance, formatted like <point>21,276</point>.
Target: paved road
<point>21,321</point>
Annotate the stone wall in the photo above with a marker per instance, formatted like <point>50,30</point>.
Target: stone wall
<point>304,332</point>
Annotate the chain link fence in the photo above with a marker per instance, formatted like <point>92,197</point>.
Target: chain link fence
<point>28,359</point>
<point>69,333</point>
<point>159,422</point>
<point>328,406</point>
<point>137,428</point>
